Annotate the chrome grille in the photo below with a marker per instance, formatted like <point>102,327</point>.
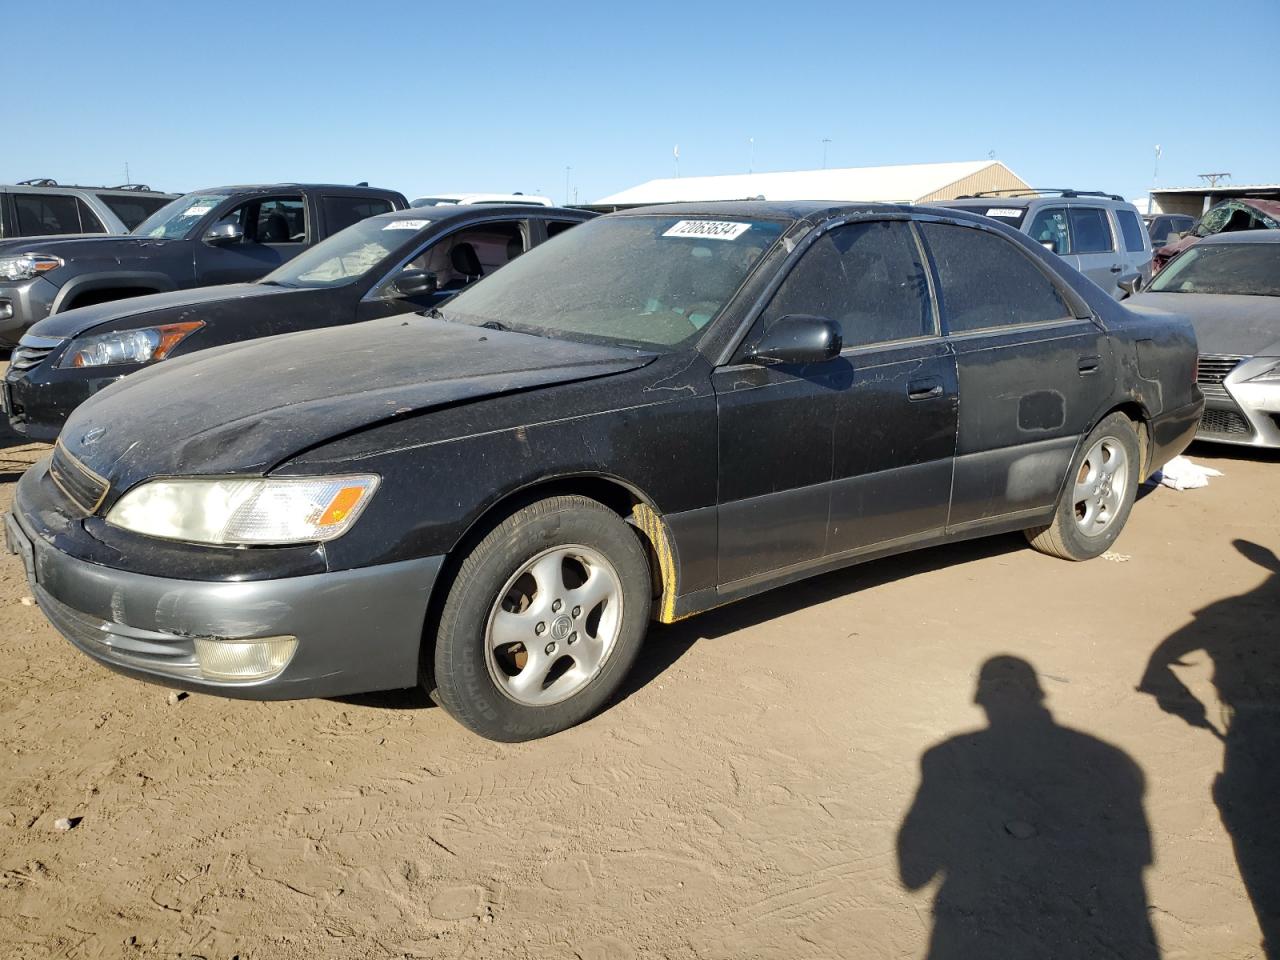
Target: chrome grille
<point>24,358</point>
<point>1225,423</point>
<point>81,485</point>
<point>1214,368</point>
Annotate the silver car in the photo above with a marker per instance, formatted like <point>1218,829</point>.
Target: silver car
<point>1229,286</point>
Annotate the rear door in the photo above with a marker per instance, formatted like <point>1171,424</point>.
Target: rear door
<point>1030,374</point>
<point>1094,247</point>
<point>1136,243</point>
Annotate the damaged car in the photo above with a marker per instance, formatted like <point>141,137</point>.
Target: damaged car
<point>1230,216</point>
<point>663,411</point>
<point>1229,287</point>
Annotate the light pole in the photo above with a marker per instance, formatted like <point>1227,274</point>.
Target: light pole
<point>825,141</point>
<point>751,162</point>
<point>566,185</point>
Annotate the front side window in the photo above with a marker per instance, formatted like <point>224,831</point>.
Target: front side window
<point>985,281</point>
<point>1090,232</point>
<point>1131,230</point>
<point>643,281</point>
<point>1049,229</point>
<point>463,257</point>
<point>1249,269</point>
<point>174,221</point>
<point>868,277</point>
<point>342,212</point>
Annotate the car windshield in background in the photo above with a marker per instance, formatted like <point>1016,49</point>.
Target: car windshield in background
<point>347,255</point>
<point>175,220</point>
<point>1251,269</point>
<point>645,281</point>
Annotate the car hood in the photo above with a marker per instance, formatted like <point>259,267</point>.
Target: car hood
<point>247,407</point>
<point>72,323</point>
<point>93,248</point>
<point>1225,323</point>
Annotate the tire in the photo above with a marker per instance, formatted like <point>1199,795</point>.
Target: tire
<point>1096,499</point>
<point>516,658</point>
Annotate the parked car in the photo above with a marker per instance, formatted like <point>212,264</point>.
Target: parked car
<point>661,411</point>
<point>43,208</point>
<point>220,235</point>
<point>1099,234</point>
<point>464,199</point>
<point>1230,216</point>
<point>383,265</point>
<point>1229,286</point>
<point>1162,228</point>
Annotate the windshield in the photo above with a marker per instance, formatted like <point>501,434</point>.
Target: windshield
<point>646,281</point>
<point>348,255</point>
<point>1251,269</point>
<point>175,220</point>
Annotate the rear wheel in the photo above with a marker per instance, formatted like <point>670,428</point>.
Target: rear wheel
<point>1098,495</point>
<point>543,620</point>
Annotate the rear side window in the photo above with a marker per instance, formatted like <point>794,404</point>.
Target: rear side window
<point>132,210</point>
<point>985,281</point>
<point>869,277</point>
<point>1132,231</point>
<point>44,213</point>
<point>1049,228</point>
<point>342,212</point>
<point>1090,232</point>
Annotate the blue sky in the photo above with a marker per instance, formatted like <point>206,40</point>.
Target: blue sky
<point>492,96</point>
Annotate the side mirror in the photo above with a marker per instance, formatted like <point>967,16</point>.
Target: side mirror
<point>415,283</point>
<point>224,233</point>
<point>1130,283</point>
<point>798,338</point>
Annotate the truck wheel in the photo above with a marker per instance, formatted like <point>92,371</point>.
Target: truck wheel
<point>543,620</point>
<point>1097,496</point>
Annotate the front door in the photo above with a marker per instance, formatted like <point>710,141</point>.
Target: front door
<point>275,229</point>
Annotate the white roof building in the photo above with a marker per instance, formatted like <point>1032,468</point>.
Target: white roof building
<point>900,183</point>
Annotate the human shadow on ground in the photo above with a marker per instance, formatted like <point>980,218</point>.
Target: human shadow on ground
<point>1240,635</point>
<point>1037,832</point>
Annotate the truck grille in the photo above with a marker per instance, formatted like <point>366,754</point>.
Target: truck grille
<point>81,485</point>
<point>1225,423</point>
<point>1214,368</point>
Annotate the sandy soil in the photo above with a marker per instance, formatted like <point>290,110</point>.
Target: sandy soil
<point>743,799</point>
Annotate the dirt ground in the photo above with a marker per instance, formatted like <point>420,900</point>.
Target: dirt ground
<point>746,797</point>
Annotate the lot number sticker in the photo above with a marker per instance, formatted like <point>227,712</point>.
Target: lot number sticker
<point>1004,212</point>
<point>708,229</point>
<point>406,224</point>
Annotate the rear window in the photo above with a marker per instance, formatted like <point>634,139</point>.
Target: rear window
<point>342,212</point>
<point>1132,231</point>
<point>1013,216</point>
<point>132,210</point>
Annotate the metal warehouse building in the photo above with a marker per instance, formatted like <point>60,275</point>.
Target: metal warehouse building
<point>1194,201</point>
<point>900,183</point>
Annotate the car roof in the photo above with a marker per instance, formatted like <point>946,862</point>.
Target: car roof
<point>1243,236</point>
<point>260,187</point>
<point>767,209</point>
<point>1019,202</point>
<point>470,211</point>
<point>80,188</point>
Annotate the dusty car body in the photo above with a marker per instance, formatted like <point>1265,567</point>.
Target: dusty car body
<point>1229,286</point>
<point>383,265</point>
<point>1230,216</point>
<point>662,411</point>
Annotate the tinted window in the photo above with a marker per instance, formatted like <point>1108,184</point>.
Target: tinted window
<point>555,227</point>
<point>985,281</point>
<point>1132,231</point>
<point>132,210</point>
<point>342,212</point>
<point>1050,226</point>
<point>89,221</point>
<point>869,277</point>
<point>48,213</point>
<point>1090,232</point>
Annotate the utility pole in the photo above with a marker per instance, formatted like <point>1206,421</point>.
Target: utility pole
<point>1213,178</point>
<point>751,162</point>
<point>1155,171</point>
<point>825,141</point>
<point>566,184</point>
<point>676,153</point>
<point>126,173</point>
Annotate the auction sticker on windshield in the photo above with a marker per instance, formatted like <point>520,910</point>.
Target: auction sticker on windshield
<point>708,229</point>
<point>406,224</point>
<point>1004,212</point>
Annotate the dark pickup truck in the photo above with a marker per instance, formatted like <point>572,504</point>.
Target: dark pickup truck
<point>219,235</point>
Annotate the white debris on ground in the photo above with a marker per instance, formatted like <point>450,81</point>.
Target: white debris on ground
<point>1181,473</point>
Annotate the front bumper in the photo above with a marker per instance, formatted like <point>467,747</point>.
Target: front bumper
<point>22,303</point>
<point>1241,411</point>
<point>39,396</point>
<point>357,630</point>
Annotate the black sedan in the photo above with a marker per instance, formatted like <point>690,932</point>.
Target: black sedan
<point>378,267</point>
<point>665,410</point>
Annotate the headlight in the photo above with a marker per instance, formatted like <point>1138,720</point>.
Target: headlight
<point>128,346</point>
<point>1270,375</point>
<point>249,511</point>
<point>27,265</point>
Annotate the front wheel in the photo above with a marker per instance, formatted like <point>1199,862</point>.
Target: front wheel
<point>1097,496</point>
<point>543,620</point>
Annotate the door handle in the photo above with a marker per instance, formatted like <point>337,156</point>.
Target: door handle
<point>925,389</point>
<point>1088,365</point>
<point>1117,267</point>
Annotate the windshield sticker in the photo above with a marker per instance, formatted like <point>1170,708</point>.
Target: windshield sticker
<point>406,224</point>
<point>708,229</point>
<point>1004,212</point>
<point>197,211</point>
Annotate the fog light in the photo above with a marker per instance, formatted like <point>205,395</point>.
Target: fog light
<point>244,659</point>
<point>6,310</point>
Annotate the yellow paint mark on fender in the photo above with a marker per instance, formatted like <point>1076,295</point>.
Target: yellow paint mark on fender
<point>651,524</point>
